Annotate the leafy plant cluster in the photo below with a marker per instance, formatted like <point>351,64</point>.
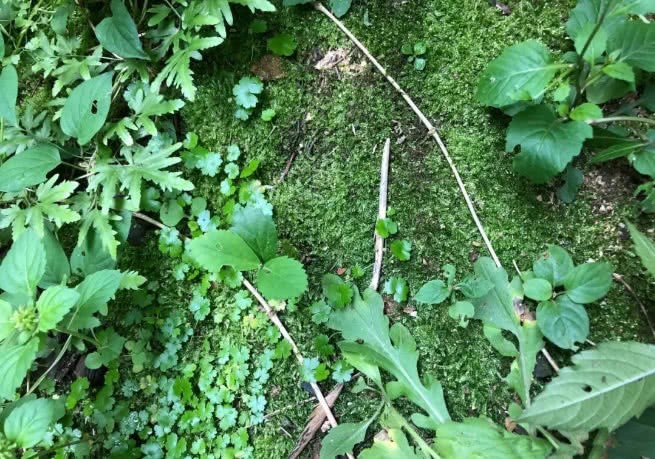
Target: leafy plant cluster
<point>560,103</point>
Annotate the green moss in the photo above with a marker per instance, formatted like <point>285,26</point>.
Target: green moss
<point>327,204</point>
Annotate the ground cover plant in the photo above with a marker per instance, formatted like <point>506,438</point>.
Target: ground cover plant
<point>153,255</point>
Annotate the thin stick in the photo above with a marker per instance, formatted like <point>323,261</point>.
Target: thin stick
<point>152,221</point>
<point>382,213</point>
<point>431,129</point>
<point>619,278</point>
<point>435,135</point>
<point>285,334</point>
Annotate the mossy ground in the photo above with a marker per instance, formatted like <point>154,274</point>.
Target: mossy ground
<point>327,205</point>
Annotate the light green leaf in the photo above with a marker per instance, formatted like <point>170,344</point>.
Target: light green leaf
<point>282,44</point>
<point>111,346</point>
<point>16,360</point>
<point>563,322</point>
<point>86,108</point>
<point>586,112</point>
<point>480,437</point>
<point>2,46</point>
<point>554,265</point>
<point>257,229</point>
<point>28,424</point>
<point>596,47</point>
<point>8,94</point>
<point>495,337</point>
<point>118,33</point>
<point>462,311</point>
<point>634,43</point>
<point>57,267</point>
<point>620,71</point>
<point>282,278</point>
<point>95,292</point>
<point>28,168</point>
<point>432,292</point>
<point>521,72</point>
<point>644,161</point>
<point>343,438</point>
<point>246,91</point>
<point>547,144</point>
<point>340,7</point>
<point>395,447</point>
<point>23,266</point>
<point>644,248</point>
<point>53,304</point>
<point>538,289</point>
<point>216,249</point>
<point>589,282</point>
<point>337,292</point>
<point>474,287</point>
<point>385,227</point>
<point>397,286</point>
<point>604,388</point>
<point>402,249</point>
<point>393,350</point>
<point>171,213</point>
<point>6,324</point>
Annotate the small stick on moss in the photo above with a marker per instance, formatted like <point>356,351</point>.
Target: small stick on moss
<point>382,213</point>
<point>619,278</point>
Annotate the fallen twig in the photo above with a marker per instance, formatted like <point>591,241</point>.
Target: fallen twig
<point>435,135</point>
<point>619,278</point>
<point>382,213</point>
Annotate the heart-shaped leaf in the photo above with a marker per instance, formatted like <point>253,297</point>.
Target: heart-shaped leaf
<point>86,109</point>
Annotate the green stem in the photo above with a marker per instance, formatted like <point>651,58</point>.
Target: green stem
<point>29,20</point>
<point>635,119</point>
<point>56,361</point>
<point>548,437</point>
<point>580,61</point>
<point>79,336</point>
<point>48,451</point>
<point>427,449</point>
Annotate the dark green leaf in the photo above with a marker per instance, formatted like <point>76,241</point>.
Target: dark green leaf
<point>111,346</point>
<point>589,282</point>
<point>554,265</point>
<point>433,292</point>
<point>95,292</point>
<point>282,44</point>
<point>216,249</point>
<point>60,18</point>
<point>8,94</point>
<point>563,322</point>
<point>343,438</point>
<point>573,180</point>
<point>16,360</point>
<point>618,150</point>
<point>636,439</point>
<point>57,268</point>
<point>257,229</point>
<point>23,266</point>
<point>90,256</point>
<point>605,89</point>
<point>86,109</point>
<point>282,278</point>
<point>644,248</point>
<point>118,33</point>
<point>295,2</point>
<point>634,43</point>
<point>643,161</point>
<point>340,7</point>
<point>547,144</point>
<point>28,168</point>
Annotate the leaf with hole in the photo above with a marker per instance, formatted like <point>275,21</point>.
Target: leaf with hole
<point>86,108</point>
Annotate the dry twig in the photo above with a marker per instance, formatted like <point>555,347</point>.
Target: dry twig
<point>382,213</point>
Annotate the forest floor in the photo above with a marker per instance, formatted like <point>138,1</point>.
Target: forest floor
<point>335,121</point>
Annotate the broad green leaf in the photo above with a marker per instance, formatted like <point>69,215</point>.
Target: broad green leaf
<point>589,282</point>
<point>95,292</point>
<point>521,72</point>
<point>547,144</point>
<point>86,108</point>
<point>257,229</point>
<point>480,437</point>
<point>340,7</point>
<point>111,346</point>
<point>635,439</point>
<point>23,266</point>
<point>282,44</point>
<point>620,71</point>
<point>538,289</point>
<point>8,94</point>
<point>573,180</point>
<point>644,161</point>
<point>78,391</point>
<point>60,18</point>
<point>118,33</point>
<point>596,47</point>
<point>343,438</point>
<point>171,213</point>
<point>401,249</point>
<point>522,369</point>
<point>433,292</point>
<point>6,324</point>
<point>495,337</point>
<point>393,350</point>
<point>246,91</point>
<point>586,112</point>
<point>57,267</point>
<point>385,227</point>
<point>474,287</point>
<point>563,322</point>
<point>28,424</point>
<point>605,89</point>
<point>634,43</point>
<point>588,12</point>
<point>282,278</point>
<point>604,388</point>
<point>337,292</point>
<point>644,248</point>
<point>53,304</point>
<point>496,307</point>
<point>554,265</point>
<point>15,362</point>
<point>216,249</point>
<point>90,256</point>
<point>395,447</point>
<point>462,311</point>
<point>28,168</point>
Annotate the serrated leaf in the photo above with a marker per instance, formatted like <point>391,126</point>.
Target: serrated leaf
<point>86,108</point>
<point>246,91</point>
<point>402,249</point>
<point>216,249</point>
<point>118,33</point>
<point>634,43</point>
<point>282,278</point>
<point>23,266</point>
<point>282,44</point>
<point>53,304</point>
<point>95,292</point>
<point>28,168</point>
<point>257,229</point>
<point>6,324</point>
<point>343,438</point>
<point>433,292</point>
<point>522,72</point>
<point>393,350</point>
<point>90,256</point>
<point>479,437</point>
<point>385,227</point>
<point>8,94</point>
<point>111,346</point>
<point>644,248</point>
<point>337,292</point>
<point>16,361</point>
<point>547,144</point>
<point>554,265</point>
<point>28,424</point>
<point>395,447</point>
<point>398,288</point>
<point>563,322</point>
<point>605,387</point>
<point>589,282</point>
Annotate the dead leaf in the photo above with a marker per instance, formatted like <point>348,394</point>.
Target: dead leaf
<point>341,271</point>
<point>331,59</point>
<point>509,424</point>
<point>269,68</point>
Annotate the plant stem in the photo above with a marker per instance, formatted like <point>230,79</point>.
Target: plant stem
<point>81,336</point>
<point>427,449</point>
<point>46,452</point>
<point>56,361</point>
<point>634,119</point>
<point>548,437</point>
<point>580,61</point>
